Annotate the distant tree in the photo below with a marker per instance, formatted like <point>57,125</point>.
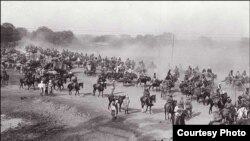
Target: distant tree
<point>9,33</point>
<point>22,32</point>
<point>57,38</point>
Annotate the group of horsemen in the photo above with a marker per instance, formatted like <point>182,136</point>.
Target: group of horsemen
<point>115,64</point>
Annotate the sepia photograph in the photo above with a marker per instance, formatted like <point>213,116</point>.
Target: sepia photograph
<point>122,70</point>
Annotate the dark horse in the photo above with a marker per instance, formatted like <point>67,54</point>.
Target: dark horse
<point>169,109</point>
<point>114,98</point>
<point>58,83</point>
<point>75,86</point>
<point>148,101</point>
<point>143,79</point>
<point>27,81</point>
<point>180,120</point>
<point>100,87</point>
<point>156,84</point>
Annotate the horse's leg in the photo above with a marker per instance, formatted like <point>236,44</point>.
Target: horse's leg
<point>109,104</point>
<point>210,109</point>
<point>146,109</point>
<point>120,108</point>
<point>165,113</point>
<point>142,105</point>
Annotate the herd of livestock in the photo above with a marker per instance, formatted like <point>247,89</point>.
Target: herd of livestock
<point>50,70</point>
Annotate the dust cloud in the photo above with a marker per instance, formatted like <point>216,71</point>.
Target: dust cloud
<point>221,56</point>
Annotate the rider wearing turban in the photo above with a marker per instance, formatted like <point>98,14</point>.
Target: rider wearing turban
<point>146,93</point>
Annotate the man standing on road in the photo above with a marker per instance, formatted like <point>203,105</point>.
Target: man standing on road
<point>42,87</point>
<point>126,104</point>
<point>50,86</point>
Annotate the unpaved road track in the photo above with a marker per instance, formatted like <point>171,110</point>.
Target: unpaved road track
<point>86,117</point>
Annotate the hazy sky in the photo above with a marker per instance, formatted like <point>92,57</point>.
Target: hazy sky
<point>217,19</point>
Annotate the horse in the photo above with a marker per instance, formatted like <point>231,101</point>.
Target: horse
<point>58,83</point>
<point>180,120</point>
<point>205,93</point>
<point>197,92</point>
<point>215,101</point>
<point>75,86</point>
<point>166,88</point>
<point>156,84</point>
<point>114,98</point>
<point>100,87</point>
<point>22,82</point>
<point>188,108</point>
<point>169,109</point>
<point>126,80</point>
<point>148,101</point>
<point>30,82</point>
<point>229,115</point>
<point>143,79</point>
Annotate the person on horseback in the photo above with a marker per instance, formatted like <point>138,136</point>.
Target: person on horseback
<point>219,90</point>
<point>231,75</point>
<point>170,99</point>
<point>178,110</point>
<point>237,75</point>
<point>188,104</point>
<point>169,76</point>
<point>181,103</point>
<point>244,73</point>
<point>146,92</point>
<point>217,116</point>
<point>204,71</point>
<point>209,70</point>
<point>186,78</point>
<point>154,78</point>
<point>246,95</point>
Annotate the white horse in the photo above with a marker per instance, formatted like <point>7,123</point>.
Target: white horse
<point>242,113</point>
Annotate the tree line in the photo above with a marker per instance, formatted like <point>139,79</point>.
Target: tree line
<point>10,33</point>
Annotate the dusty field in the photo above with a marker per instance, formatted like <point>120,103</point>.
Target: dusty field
<point>64,117</point>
